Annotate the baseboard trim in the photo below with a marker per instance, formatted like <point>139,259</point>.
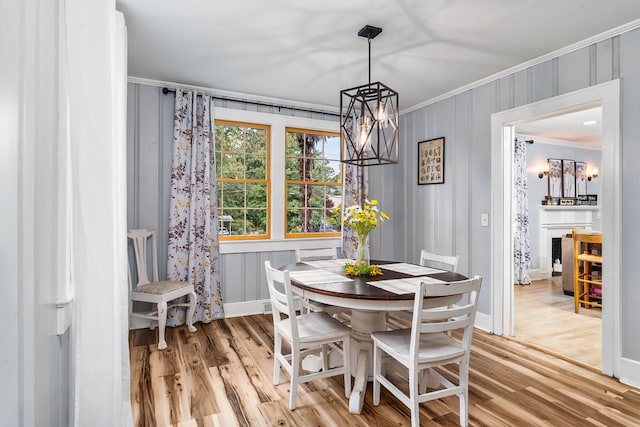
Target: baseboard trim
<point>630,372</point>
<point>483,322</point>
<point>247,308</point>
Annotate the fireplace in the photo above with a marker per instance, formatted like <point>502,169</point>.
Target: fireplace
<point>556,256</point>
<point>555,222</point>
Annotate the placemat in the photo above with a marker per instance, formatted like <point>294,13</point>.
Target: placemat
<point>311,277</point>
<point>403,286</point>
<point>328,263</point>
<point>412,269</point>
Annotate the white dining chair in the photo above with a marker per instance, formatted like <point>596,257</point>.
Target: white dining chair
<point>428,344</point>
<point>155,291</point>
<point>319,254</point>
<point>433,260</point>
<point>306,333</point>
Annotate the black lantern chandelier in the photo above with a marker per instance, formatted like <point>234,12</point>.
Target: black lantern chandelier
<point>369,119</point>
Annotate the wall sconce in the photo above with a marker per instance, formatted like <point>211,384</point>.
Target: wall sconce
<point>544,171</point>
<point>592,173</point>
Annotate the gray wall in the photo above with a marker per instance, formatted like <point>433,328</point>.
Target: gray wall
<point>537,155</point>
<point>446,218</point>
<point>34,363</point>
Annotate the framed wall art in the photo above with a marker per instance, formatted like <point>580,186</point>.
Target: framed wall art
<point>568,178</point>
<point>431,161</point>
<point>581,179</point>
<point>555,177</point>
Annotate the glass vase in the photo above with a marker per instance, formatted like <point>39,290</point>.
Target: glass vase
<point>362,251</point>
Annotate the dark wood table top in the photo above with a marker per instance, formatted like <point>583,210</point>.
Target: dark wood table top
<point>358,288</point>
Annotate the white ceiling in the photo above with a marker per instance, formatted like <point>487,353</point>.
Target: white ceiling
<point>569,127</point>
<point>308,51</point>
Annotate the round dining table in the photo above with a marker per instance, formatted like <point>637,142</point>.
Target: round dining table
<point>369,306</point>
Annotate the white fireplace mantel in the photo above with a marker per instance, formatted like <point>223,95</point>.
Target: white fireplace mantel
<point>556,221</point>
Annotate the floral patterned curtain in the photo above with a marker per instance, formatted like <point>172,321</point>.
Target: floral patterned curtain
<point>193,208</point>
<point>521,242</point>
<point>351,189</point>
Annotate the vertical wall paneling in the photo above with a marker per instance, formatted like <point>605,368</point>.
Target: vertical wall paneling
<point>542,81</point>
<point>574,70</point>
<point>409,158</point>
<point>463,120</point>
<point>629,64</point>
<point>505,93</point>
<point>444,194</point>
<point>521,87</point>
<point>603,62</point>
<point>484,103</point>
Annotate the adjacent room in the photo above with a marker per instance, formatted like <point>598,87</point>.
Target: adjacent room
<point>340,213</point>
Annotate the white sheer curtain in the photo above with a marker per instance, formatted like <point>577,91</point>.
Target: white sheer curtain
<point>193,251</point>
<point>96,67</point>
<point>521,242</point>
<point>355,182</point>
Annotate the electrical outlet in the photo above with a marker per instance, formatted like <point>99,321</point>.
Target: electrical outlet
<point>484,219</point>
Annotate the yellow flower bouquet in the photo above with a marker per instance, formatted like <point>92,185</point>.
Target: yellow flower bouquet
<point>363,219</point>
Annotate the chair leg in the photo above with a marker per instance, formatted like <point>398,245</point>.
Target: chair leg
<point>295,372</point>
<point>276,361</point>
<point>413,396</point>
<point>464,396</point>
<point>191,310</point>
<point>377,369</point>
<point>325,357</point>
<point>162,322</point>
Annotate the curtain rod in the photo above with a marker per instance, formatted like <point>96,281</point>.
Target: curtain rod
<point>166,90</point>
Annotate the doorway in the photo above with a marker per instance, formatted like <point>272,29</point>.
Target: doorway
<point>607,96</point>
<point>544,316</point>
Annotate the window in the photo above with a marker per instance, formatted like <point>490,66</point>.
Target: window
<point>313,182</point>
<point>242,176</point>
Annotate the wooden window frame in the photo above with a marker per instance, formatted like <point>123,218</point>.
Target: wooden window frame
<point>287,182</point>
<point>266,181</point>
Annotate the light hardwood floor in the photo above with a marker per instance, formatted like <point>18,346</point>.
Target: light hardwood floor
<point>221,376</point>
<point>545,318</point>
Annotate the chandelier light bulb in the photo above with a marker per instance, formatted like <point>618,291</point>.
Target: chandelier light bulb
<point>363,137</point>
<point>381,115</point>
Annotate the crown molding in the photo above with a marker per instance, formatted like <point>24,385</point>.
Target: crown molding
<point>539,60</point>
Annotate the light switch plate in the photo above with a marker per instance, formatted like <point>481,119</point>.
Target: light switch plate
<point>484,219</point>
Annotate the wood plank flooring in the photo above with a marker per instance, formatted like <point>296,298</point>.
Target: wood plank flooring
<point>545,318</point>
<point>221,375</point>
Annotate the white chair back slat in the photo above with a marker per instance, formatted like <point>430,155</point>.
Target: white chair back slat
<point>140,240</point>
<point>316,254</point>
<point>444,262</point>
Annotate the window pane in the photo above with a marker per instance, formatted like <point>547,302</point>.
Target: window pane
<point>255,167</point>
<point>233,195</point>
<point>241,160</point>
<point>291,171</point>
<point>236,227</point>
<point>256,196</point>
<point>256,221</point>
<point>312,157</point>
<point>332,148</point>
